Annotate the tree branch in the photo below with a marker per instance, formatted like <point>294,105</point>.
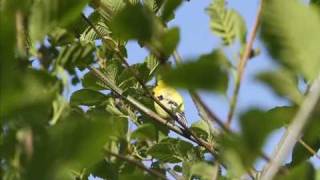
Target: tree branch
<point>137,164</point>
<point>185,130</point>
<point>242,64</point>
<point>293,132</point>
<point>134,73</point>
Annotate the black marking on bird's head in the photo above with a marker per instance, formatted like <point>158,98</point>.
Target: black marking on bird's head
<point>160,97</point>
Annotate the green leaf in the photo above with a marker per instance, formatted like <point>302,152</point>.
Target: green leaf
<point>315,2</point>
<point>208,72</point>
<point>311,137</point>
<point>75,143</point>
<point>236,154</point>
<point>145,132</point>
<point>87,97</point>
<point>104,169</point>
<point>172,150</point>
<point>292,35</point>
<point>283,83</point>
<point>166,43</point>
<point>90,81</point>
<point>256,125</point>
<point>303,171</point>
<point>204,171</point>
<point>169,8</point>
<point>89,34</point>
<point>241,151</point>
<point>48,14</point>
<point>226,23</point>
<point>130,171</point>
<point>76,55</point>
<point>152,63</point>
<point>202,129</point>
<point>113,70</point>
<point>154,5</point>
<point>133,22</point>
<point>31,89</point>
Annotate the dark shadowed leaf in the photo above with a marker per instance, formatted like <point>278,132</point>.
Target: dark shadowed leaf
<point>172,150</point>
<point>87,97</point>
<point>303,171</point>
<point>47,14</point>
<point>133,22</point>
<point>169,8</point>
<point>208,72</point>
<point>32,89</point>
<point>75,143</point>
<point>76,55</point>
<point>90,81</point>
<point>311,137</point>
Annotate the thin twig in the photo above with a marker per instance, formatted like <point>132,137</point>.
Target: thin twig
<point>137,164</point>
<point>242,64</point>
<point>293,132</point>
<point>309,148</point>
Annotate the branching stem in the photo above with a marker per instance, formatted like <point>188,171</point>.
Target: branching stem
<point>242,64</point>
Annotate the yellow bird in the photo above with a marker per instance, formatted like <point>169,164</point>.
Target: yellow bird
<point>171,99</point>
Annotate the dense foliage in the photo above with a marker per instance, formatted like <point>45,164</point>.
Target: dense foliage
<point>109,128</point>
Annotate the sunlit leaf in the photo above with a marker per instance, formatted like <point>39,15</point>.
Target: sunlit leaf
<point>145,132</point>
<point>207,72</point>
<point>283,83</point>
<point>204,171</point>
<point>257,124</point>
<point>291,35</point>
<point>225,23</point>
<point>201,128</point>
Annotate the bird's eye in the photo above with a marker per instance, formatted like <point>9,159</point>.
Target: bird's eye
<point>160,97</point>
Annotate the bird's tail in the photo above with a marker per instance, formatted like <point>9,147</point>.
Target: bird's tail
<point>182,118</point>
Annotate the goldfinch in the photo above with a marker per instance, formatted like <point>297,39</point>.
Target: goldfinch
<point>171,99</point>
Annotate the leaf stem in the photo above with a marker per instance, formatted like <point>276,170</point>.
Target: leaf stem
<point>293,132</point>
<point>309,148</point>
<point>242,64</point>
<point>137,164</point>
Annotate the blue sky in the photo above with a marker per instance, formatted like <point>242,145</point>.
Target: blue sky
<point>196,39</point>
